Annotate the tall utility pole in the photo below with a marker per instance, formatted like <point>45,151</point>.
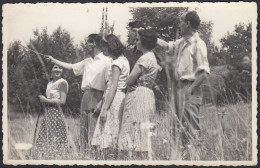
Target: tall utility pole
<point>105,29</point>
<point>102,23</point>
<point>104,26</point>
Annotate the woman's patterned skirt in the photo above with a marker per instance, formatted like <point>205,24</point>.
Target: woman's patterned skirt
<point>138,114</point>
<point>51,142</point>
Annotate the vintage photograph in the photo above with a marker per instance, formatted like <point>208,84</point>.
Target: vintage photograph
<point>132,83</point>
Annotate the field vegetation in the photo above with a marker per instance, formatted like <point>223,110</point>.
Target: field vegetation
<point>226,135</point>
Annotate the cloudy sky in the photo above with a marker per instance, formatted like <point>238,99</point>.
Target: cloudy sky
<point>82,19</point>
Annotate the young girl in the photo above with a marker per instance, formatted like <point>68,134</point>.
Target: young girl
<point>108,124</point>
<point>139,106</point>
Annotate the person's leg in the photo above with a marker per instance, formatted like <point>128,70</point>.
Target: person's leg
<point>192,111</point>
<point>183,131</point>
<point>93,99</point>
<point>191,122</point>
<point>180,132</point>
<point>84,123</point>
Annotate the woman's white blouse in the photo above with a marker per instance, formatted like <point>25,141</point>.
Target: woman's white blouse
<point>54,88</point>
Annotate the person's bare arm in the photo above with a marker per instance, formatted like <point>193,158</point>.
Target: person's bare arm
<point>60,63</point>
<point>136,72</point>
<point>61,100</point>
<point>111,93</point>
<point>162,44</point>
<point>113,88</point>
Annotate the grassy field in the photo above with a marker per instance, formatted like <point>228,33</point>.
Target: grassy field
<point>226,135</point>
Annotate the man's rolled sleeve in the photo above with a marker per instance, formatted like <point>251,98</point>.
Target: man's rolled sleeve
<point>202,59</point>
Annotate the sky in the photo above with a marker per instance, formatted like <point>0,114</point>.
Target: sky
<point>82,19</point>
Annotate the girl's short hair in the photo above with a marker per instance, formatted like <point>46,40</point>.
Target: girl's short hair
<point>115,47</point>
<point>148,38</point>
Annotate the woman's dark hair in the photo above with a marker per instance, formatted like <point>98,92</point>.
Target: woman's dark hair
<point>148,38</point>
<point>136,24</point>
<point>103,43</point>
<point>193,18</point>
<point>115,47</point>
<point>96,38</point>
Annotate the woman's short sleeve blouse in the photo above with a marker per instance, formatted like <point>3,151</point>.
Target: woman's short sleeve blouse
<point>55,88</point>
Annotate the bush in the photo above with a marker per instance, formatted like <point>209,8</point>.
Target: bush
<point>227,85</point>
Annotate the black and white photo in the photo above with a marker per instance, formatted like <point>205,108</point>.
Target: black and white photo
<point>130,83</point>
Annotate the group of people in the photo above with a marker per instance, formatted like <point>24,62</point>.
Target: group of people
<point>118,106</point>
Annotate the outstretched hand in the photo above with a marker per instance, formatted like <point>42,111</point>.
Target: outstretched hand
<point>48,58</point>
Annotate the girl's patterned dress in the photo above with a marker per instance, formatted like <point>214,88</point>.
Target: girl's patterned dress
<point>106,135</point>
<point>51,142</point>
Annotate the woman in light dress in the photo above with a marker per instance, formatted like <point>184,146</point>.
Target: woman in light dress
<point>108,123</point>
<point>51,141</point>
<point>139,107</point>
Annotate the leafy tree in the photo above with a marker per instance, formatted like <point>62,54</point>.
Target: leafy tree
<point>236,46</point>
<point>15,55</point>
<point>164,21</point>
<point>27,74</point>
<point>216,56</point>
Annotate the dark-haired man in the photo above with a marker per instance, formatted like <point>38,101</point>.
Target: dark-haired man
<point>190,70</point>
<point>93,71</point>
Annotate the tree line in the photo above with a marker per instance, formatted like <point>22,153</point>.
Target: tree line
<point>27,77</point>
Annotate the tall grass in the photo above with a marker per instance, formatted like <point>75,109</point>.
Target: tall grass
<point>226,135</point>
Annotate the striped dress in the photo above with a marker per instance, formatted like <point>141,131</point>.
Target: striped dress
<point>139,108</point>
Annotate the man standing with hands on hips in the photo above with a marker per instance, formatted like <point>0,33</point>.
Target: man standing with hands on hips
<point>93,70</point>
